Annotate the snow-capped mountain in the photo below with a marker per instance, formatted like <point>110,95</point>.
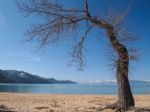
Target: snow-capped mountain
<point>13,76</point>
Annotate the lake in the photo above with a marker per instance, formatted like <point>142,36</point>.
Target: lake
<point>102,88</point>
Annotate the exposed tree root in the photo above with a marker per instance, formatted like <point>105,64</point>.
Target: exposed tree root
<point>112,106</point>
<point>145,109</point>
<point>116,109</point>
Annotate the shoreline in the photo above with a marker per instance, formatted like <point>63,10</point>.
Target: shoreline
<point>145,94</point>
<point>29,102</point>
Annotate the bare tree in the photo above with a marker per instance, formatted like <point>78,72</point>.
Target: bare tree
<point>60,22</point>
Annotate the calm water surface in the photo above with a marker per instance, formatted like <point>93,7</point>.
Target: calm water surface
<point>103,88</point>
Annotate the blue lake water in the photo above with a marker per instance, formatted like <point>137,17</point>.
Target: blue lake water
<point>102,88</point>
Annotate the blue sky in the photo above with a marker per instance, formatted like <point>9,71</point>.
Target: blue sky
<point>53,61</point>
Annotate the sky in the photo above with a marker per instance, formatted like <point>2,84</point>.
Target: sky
<point>53,61</point>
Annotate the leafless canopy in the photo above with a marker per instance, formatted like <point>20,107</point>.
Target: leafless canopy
<point>60,22</point>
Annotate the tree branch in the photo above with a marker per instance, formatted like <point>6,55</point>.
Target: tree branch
<point>87,13</point>
<point>77,52</point>
<point>60,22</point>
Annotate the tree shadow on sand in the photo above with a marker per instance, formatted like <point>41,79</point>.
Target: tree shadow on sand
<point>3,108</point>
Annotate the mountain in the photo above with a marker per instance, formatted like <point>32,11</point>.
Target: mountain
<point>13,76</point>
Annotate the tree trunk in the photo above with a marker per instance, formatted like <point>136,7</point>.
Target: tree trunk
<point>125,97</point>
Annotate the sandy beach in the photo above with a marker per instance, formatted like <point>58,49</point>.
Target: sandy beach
<point>21,102</point>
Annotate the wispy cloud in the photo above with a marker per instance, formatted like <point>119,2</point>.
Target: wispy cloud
<point>21,56</point>
<point>2,19</point>
<point>36,59</point>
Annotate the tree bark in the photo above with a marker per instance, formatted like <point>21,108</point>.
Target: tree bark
<point>125,97</point>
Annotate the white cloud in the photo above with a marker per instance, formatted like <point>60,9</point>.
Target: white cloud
<point>2,20</point>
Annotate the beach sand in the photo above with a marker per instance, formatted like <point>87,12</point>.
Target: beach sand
<point>23,102</point>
